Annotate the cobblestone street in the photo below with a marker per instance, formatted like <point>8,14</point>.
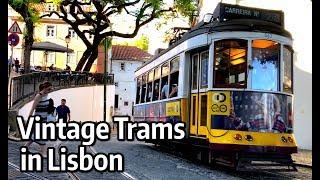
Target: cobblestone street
<point>159,90</point>
<point>144,161</point>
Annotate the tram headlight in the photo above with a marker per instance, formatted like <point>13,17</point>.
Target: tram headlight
<point>237,137</point>
<point>284,139</point>
<point>248,137</point>
<point>290,139</point>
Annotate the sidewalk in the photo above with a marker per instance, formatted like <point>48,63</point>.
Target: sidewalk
<point>303,157</point>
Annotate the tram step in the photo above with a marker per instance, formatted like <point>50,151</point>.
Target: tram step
<point>246,164</point>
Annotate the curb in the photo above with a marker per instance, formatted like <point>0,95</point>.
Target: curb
<point>303,165</point>
<point>12,138</point>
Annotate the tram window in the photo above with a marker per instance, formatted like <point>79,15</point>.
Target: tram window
<point>287,61</point>
<point>149,86</point>
<point>204,57</point>
<point>164,81</point>
<point>138,93</point>
<point>174,77</point>
<point>230,63</point>
<point>143,88</point>
<point>203,115</point>
<point>195,60</point>
<point>265,63</point>
<point>194,101</point>
<point>156,84</point>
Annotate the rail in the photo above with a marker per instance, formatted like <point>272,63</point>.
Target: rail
<point>26,85</point>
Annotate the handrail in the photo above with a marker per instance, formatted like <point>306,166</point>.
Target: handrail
<point>26,85</point>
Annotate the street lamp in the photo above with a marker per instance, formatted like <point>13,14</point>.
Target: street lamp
<point>67,40</point>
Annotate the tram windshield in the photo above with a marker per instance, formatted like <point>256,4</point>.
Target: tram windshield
<point>287,64</point>
<point>265,65</point>
<point>230,63</point>
<point>258,112</point>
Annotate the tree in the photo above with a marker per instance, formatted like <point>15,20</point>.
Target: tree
<point>30,16</point>
<point>101,22</point>
<point>142,43</point>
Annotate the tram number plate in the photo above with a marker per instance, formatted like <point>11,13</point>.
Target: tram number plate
<point>220,103</point>
<point>268,35</point>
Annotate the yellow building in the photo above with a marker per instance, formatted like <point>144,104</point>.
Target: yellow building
<point>51,29</point>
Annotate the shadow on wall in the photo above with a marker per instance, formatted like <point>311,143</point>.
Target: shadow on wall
<point>303,108</point>
<point>85,103</point>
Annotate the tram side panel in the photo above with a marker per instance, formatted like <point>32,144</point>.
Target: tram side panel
<point>168,111</point>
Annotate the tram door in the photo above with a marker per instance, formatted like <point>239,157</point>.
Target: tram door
<point>199,84</point>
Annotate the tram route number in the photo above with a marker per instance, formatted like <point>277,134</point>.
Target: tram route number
<point>220,103</point>
<point>217,108</point>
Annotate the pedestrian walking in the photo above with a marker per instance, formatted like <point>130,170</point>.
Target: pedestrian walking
<point>9,63</point>
<point>52,114</point>
<point>42,106</point>
<point>63,111</point>
<point>17,64</point>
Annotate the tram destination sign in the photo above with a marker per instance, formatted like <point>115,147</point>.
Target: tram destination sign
<point>228,12</point>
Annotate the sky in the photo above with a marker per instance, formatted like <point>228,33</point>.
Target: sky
<point>298,21</point>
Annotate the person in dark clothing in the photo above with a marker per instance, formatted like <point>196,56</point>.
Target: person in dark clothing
<point>51,68</point>
<point>17,65</point>
<point>63,111</point>
<point>68,68</point>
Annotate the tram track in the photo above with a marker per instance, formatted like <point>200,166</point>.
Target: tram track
<point>247,175</point>
<point>125,174</point>
<point>17,168</point>
<point>73,176</point>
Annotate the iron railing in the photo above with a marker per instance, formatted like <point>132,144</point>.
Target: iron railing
<point>27,85</point>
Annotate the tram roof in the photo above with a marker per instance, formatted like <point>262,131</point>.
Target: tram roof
<point>248,25</point>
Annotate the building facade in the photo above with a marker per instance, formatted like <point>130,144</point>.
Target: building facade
<point>124,60</point>
<point>50,29</point>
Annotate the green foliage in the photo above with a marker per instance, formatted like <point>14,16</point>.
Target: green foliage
<point>16,3</point>
<point>156,4</point>
<point>35,16</point>
<point>186,7</point>
<point>106,42</point>
<point>142,43</point>
<point>56,2</point>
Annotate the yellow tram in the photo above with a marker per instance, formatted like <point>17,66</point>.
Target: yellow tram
<point>230,79</point>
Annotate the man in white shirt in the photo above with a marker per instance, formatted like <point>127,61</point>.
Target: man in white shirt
<point>165,91</point>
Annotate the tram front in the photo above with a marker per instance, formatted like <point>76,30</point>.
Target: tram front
<point>250,97</point>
